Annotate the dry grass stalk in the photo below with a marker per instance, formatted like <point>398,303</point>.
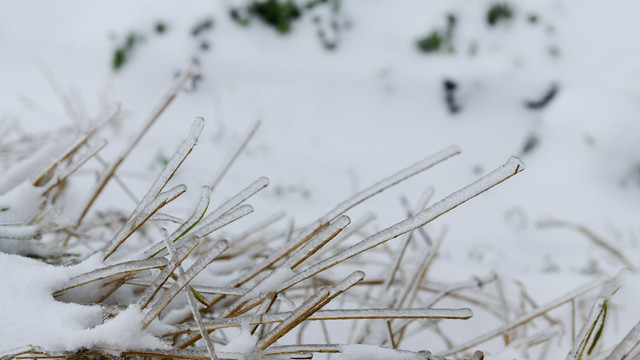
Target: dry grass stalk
<point>271,272</point>
<point>519,321</point>
<point>591,331</point>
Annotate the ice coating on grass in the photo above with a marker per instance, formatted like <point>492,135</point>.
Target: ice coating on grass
<point>122,268</point>
<point>53,166</point>
<point>135,221</point>
<point>597,315</point>
<point>157,283</point>
<point>524,318</point>
<point>197,215</point>
<point>614,284</point>
<point>510,168</point>
<point>311,246</point>
<point>215,250</point>
<point>333,314</point>
<point>207,228</point>
<point>297,316</point>
<point>239,198</point>
<point>203,229</point>
<point>625,347</point>
<point>153,200</point>
<point>23,170</point>
<point>392,180</point>
<point>172,165</point>
<point>176,260</point>
<point>78,160</point>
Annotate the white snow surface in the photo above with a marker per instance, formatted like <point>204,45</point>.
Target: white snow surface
<point>242,343</point>
<point>368,352</point>
<point>31,316</point>
<point>335,122</point>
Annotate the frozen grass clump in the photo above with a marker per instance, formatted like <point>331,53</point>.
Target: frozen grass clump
<point>90,286</point>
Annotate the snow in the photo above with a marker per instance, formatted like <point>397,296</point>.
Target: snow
<point>368,352</point>
<point>242,343</point>
<point>27,168</point>
<point>56,325</point>
<point>333,123</point>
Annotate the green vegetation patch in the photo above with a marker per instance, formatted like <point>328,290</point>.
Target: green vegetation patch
<point>499,12</point>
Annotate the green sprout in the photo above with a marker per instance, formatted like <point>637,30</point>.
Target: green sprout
<point>160,27</point>
<point>121,53</point>
<point>278,14</point>
<point>431,43</point>
<point>204,25</point>
<point>499,12</point>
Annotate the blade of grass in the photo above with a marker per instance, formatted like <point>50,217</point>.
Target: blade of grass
<point>624,348</point>
<point>590,332</point>
<point>164,275</point>
<point>190,297</point>
<point>523,319</point>
<point>511,168</point>
<point>155,114</point>
<point>140,218</point>
<point>112,270</point>
<point>213,252</point>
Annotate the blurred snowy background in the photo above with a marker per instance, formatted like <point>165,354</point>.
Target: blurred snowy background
<point>348,94</point>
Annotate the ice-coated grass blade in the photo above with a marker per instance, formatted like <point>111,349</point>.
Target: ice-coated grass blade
<point>196,216</point>
<point>173,164</point>
<point>112,270</point>
<point>42,179</point>
<point>77,163</point>
<point>318,241</point>
<point>300,314</point>
<point>511,168</point>
<point>523,319</point>
<point>159,183</point>
<point>341,314</point>
<point>390,181</point>
<point>212,290</point>
<point>221,216</point>
<point>175,257</point>
<point>590,332</point>
<point>297,257</point>
<point>626,346</point>
<point>378,187</point>
<point>310,306</point>
<point>213,252</point>
<point>155,114</point>
<point>164,275</point>
<point>193,220</point>
<point>205,229</point>
<point>239,198</point>
<point>140,218</point>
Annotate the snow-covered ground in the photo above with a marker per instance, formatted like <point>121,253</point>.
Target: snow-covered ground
<point>334,122</point>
